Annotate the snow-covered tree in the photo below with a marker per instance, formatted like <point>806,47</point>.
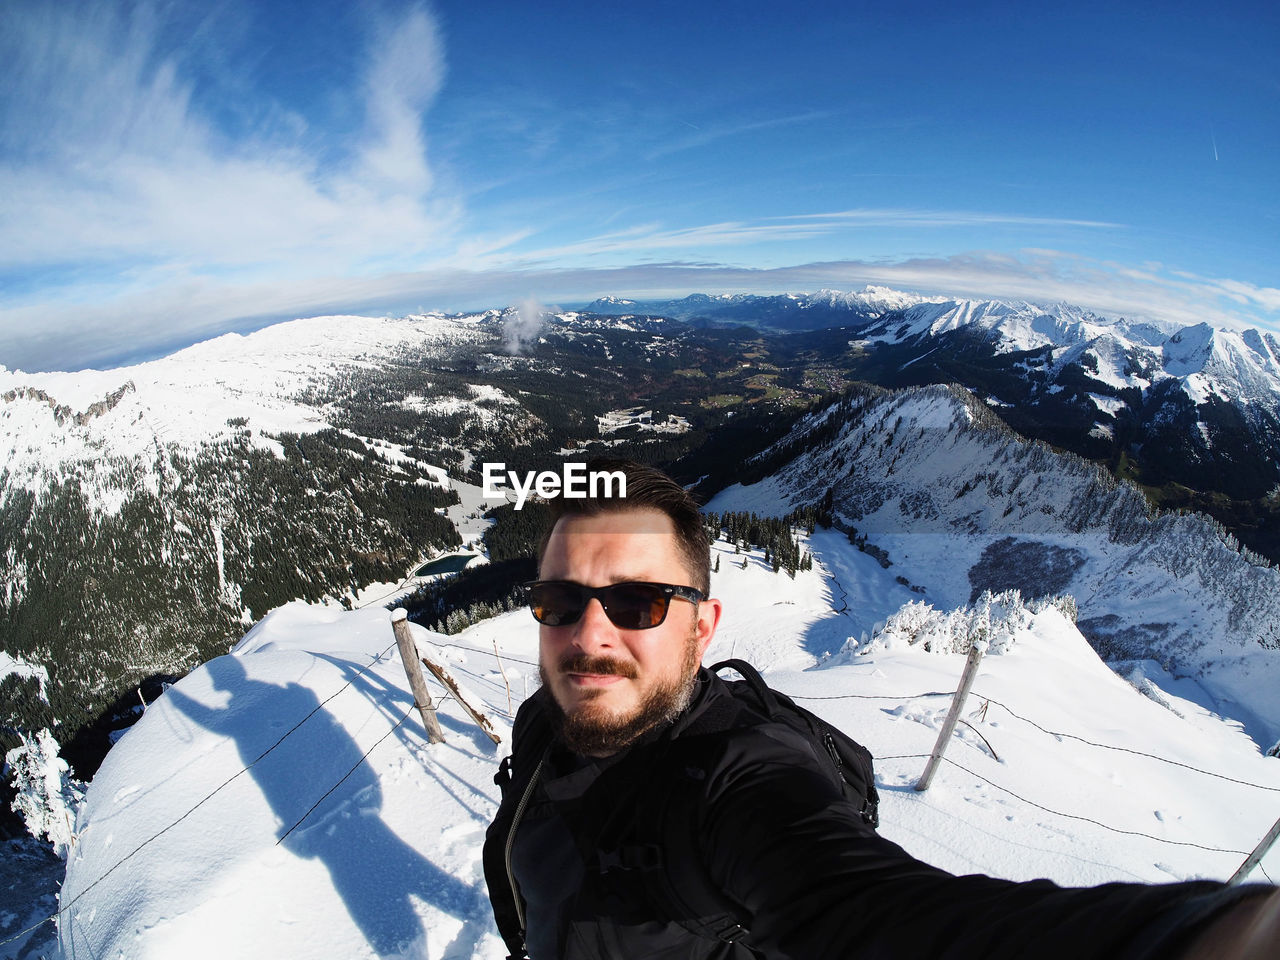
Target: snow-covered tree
<point>996,618</point>
<point>48,796</point>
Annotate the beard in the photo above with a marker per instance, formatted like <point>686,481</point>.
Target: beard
<point>593,730</point>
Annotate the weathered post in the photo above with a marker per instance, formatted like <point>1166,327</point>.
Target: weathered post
<point>446,678</point>
<point>413,670</point>
<point>1255,858</point>
<point>503,670</point>
<point>976,651</point>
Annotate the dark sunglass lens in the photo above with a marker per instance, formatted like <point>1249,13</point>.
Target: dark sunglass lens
<point>555,604</point>
<point>636,606</point>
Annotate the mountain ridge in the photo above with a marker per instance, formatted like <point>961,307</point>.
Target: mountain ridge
<point>306,460</point>
<point>933,462</point>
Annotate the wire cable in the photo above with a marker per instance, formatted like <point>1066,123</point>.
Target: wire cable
<point>1072,816</point>
<point>35,926</point>
<point>357,765</point>
<point>1140,753</point>
<point>216,790</point>
<point>1052,733</point>
<point>488,653</point>
<point>875,696</point>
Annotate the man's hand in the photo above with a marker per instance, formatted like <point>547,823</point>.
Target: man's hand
<point>1248,931</point>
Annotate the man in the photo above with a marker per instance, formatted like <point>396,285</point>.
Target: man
<point>635,778</point>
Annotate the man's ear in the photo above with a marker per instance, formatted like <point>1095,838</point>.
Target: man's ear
<point>709,611</point>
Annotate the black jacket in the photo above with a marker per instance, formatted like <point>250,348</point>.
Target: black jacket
<point>750,808</point>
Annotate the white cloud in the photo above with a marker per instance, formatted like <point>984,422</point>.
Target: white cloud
<point>405,77</point>
<point>939,218</point>
<point>115,161</point>
<point>709,135</point>
<point>522,326</point>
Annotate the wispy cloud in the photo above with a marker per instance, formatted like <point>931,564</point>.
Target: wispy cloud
<point>705,136</point>
<point>118,162</point>
<point>1245,294</point>
<point>940,218</point>
<point>653,239</point>
<point>647,239</point>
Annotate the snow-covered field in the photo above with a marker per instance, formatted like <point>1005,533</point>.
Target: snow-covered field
<point>198,395</point>
<point>348,836</point>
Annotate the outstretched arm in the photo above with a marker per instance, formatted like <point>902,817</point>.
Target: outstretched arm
<point>198,712</point>
<point>815,882</point>
<point>1248,931</point>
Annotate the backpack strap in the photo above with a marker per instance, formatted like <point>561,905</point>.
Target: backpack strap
<point>750,674</point>
<point>530,742</point>
<point>851,761</point>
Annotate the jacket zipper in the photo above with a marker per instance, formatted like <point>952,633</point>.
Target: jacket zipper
<point>511,839</point>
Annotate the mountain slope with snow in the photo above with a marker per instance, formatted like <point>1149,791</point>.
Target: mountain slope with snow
<point>181,854</point>
<point>782,313</point>
<point>53,422</point>
<point>963,505</point>
<point>1191,406</point>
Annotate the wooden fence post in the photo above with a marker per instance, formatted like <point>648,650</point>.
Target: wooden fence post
<point>413,670</point>
<point>976,651</point>
<point>1255,858</point>
<point>451,685</point>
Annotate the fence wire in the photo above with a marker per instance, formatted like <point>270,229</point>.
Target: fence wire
<point>1045,730</point>
<point>848,696</point>
<point>222,786</point>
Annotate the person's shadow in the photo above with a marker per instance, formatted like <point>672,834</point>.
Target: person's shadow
<point>372,869</point>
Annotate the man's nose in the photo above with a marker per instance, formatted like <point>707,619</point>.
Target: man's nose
<point>595,629</point>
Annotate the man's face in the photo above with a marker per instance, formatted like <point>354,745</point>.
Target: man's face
<point>612,683</point>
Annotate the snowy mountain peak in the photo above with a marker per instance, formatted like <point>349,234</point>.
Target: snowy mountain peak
<point>1017,325</point>
<point>1239,367</point>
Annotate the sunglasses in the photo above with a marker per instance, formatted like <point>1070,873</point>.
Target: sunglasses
<point>631,605</point>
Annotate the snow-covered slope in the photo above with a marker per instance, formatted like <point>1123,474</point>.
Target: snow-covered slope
<point>180,854</point>
<point>1172,371</point>
<point>55,423</point>
<point>1019,325</point>
<point>962,505</point>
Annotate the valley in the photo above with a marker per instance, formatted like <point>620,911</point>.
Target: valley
<point>151,514</point>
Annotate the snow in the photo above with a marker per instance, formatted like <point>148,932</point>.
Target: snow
<point>1108,405</point>
<point>1238,367</point>
<point>642,418</point>
<point>10,664</point>
<point>51,421</point>
<point>968,504</point>
<point>478,406</point>
<point>388,863</point>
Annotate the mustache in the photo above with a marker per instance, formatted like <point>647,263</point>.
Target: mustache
<point>605,666</point>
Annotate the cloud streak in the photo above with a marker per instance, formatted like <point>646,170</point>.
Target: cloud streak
<point>115,159</point>
<point>940,218</point>
<point>157,188</point>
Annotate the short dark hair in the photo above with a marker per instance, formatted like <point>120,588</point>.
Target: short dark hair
<point>647,488</point>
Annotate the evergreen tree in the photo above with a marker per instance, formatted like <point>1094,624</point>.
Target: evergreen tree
<point>48,797</point>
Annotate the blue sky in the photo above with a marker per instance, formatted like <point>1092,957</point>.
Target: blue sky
<point>171,171</point>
